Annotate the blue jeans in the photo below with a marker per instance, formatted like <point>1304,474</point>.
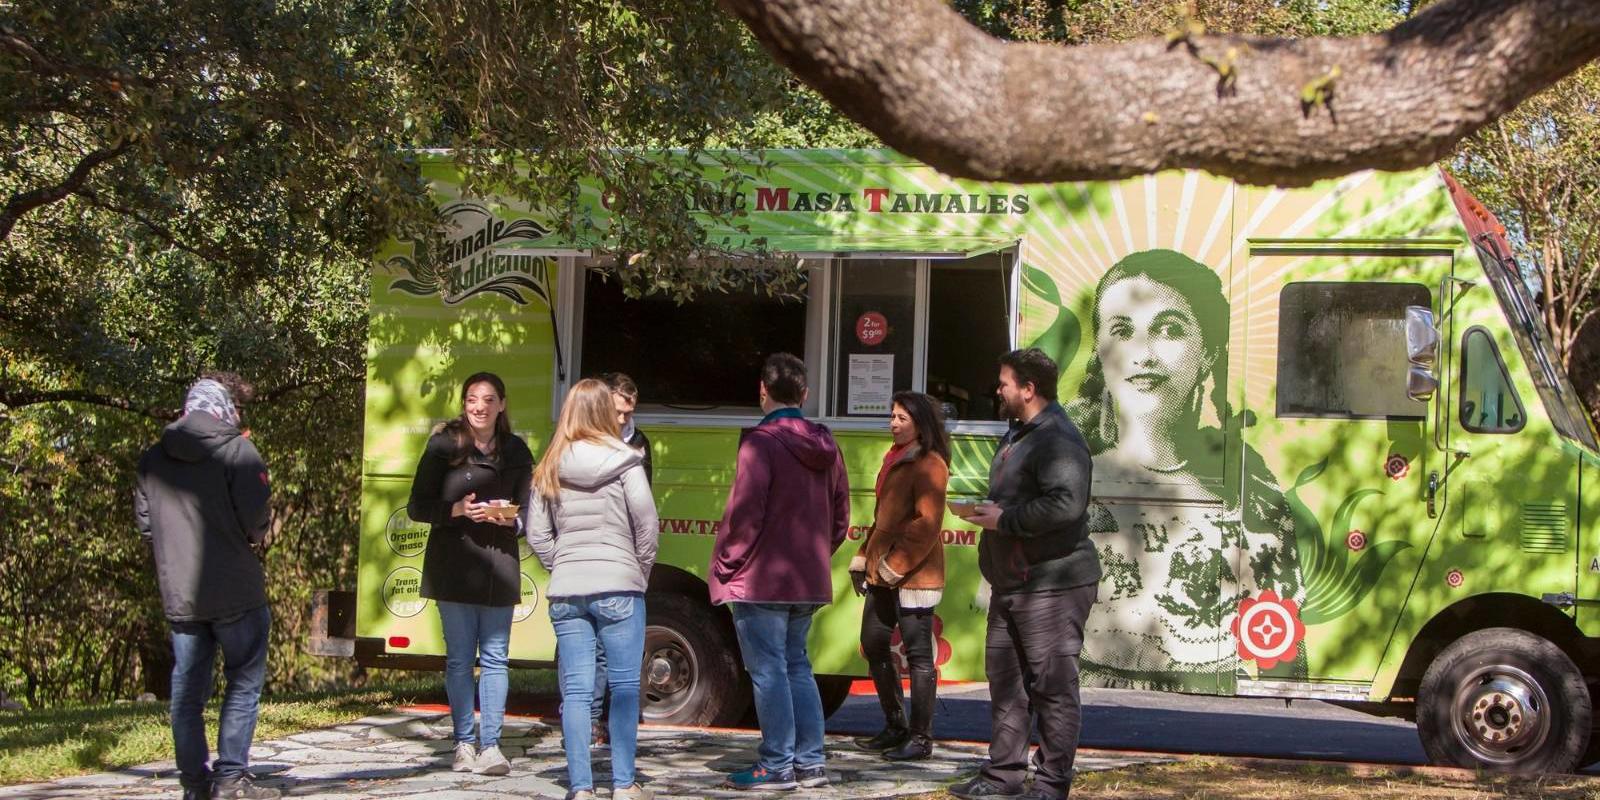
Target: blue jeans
<point>243,640</point>
<point>616,620</point>
<point>481,634</point>
<point>772,639</point>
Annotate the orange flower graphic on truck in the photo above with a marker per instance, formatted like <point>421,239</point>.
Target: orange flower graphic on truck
<point>1267,629</point>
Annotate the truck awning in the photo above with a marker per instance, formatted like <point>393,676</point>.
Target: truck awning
<point>923,245</point>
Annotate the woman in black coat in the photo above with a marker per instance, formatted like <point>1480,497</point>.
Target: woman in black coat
<point>473,464</point>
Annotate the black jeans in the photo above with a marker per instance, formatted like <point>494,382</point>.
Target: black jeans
<point>1031,660</point>
<point>879,617</point>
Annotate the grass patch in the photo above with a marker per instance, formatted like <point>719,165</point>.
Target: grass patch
<point>51,743</point>
<point>1223,779</point>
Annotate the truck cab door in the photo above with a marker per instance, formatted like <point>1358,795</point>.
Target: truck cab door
<point>1335,456</point>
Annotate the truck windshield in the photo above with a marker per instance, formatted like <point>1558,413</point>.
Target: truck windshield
<point>1555,390</point>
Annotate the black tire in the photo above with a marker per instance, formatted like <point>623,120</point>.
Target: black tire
<point>835,689</point>
<point>691,673</point>
<point>1504,700</point>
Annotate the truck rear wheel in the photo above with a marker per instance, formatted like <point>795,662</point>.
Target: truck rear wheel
<point>835,689</point>
<point>691,673</point>
<point>1504,700</point>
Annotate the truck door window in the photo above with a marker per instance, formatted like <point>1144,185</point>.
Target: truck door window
<point>1342,350</point>
<point>1489,404</point>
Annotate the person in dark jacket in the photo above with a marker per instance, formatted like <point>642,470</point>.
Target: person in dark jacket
<point>472,469</point>
<point>625,394</point>
<point>1036,553</point>
<point>202,503</point>
<point>787,513</point>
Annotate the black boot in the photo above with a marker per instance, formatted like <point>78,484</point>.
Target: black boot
<point>894,734</point>
<point>919,745</point>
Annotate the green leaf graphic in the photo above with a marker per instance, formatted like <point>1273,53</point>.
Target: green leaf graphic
<point>1353,585</point>
<point>1336,580</point>
<point>1061,339</point>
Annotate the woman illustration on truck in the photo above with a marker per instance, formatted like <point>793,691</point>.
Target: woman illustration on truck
<point>1178,553</point>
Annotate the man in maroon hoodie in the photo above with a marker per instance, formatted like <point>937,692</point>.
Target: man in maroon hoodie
<point>788,511</point>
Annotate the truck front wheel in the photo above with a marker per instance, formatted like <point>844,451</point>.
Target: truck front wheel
<point>691,673</point>
<point>1504,700</point>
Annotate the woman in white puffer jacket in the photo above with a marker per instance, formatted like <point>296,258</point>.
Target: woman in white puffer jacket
<point>592,522</point>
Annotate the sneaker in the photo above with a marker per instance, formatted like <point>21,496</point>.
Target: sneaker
<point>466,757</point>
<point>492,762</point>
<point>242,788</point>
<point>981,788</point>
<point>759,777</point>
<point>633,792</point>
<point>811,777</point>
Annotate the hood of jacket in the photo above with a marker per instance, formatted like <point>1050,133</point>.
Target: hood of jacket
<point>587,465</point>
<point>196,436</point>
<point>809,442</point>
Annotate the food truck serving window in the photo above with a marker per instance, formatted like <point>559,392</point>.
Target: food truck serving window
<point>1342,350</point>
<point>867,326</point>
<point>702,355</point>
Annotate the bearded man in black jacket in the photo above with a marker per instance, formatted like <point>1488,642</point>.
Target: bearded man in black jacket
<point>1036,553</point>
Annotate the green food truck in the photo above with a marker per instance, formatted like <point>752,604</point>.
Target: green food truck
<point>1336,456</point>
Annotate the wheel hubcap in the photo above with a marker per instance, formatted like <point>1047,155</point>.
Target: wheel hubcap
<point>1502,714</point>
<point>670,672</point>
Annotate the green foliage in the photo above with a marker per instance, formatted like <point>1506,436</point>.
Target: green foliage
<point>1538,168</point>
<point>537,99</point>
<point>197,185</point>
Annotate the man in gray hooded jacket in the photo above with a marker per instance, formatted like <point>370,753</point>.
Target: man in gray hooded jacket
<point>202,503</point>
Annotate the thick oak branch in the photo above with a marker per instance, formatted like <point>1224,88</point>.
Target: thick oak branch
<point>23,202</point>
<point>933,86</point>
<point>17,397</point>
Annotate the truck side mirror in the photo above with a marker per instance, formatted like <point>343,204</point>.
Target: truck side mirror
<point>1422,351</point>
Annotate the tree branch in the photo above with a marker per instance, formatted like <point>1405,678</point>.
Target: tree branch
<point>209,252</point>
<point>14,397</point>
<point>23,202</point>
<point>935,87</point>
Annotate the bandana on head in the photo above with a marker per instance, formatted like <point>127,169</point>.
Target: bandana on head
<point>213,398</point>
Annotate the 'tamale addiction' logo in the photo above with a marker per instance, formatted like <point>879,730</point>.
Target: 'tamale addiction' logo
<point>468,264</point>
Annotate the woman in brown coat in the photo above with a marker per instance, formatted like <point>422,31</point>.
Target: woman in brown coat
<point>900,570</point>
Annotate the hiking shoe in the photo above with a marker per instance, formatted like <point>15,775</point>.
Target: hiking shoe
<point>633,792</point>
<point>242,788</point>
<point>466,757</point>
<point>981,788</point>
<point>492,762</point>
<point>759,777</point>
<point>811,777</point>
<point>580,794</point>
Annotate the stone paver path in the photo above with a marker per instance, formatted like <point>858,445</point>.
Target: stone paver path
<point>406,754</point>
